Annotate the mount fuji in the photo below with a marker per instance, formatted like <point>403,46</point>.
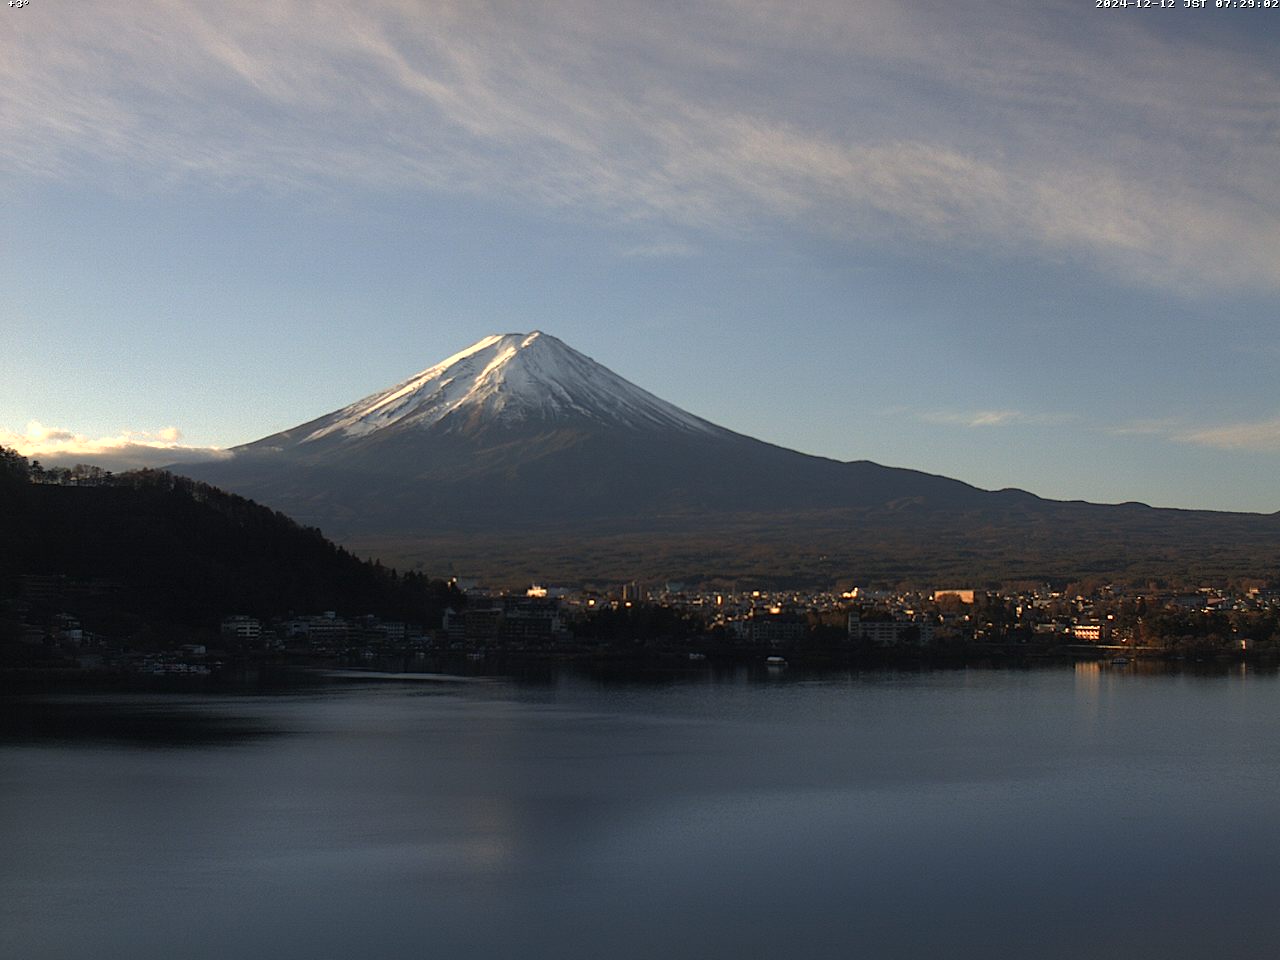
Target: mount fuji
<point>521,429</point>
<point>509,380</point>
<point>520,456</point>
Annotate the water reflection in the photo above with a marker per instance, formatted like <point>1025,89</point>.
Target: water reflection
<point>152,722</point>
<point>1047,813</point>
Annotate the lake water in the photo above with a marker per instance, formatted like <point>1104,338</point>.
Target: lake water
<point>1086,812</point>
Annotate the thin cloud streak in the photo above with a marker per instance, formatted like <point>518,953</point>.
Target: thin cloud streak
<point>992,418</point>
<point>943,123</point>
<point>1259,436</point>
<point>1254,436</point>
<point>661,250</point>
<point>1147,428</point>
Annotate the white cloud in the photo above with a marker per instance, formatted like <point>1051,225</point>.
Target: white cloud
<point>1262,436</point>
<point>126,450</point>
<point>1020,129</point>
<point>992,418</point>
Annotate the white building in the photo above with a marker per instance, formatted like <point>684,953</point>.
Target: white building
<point>891,633</point>
<point>241,628</point>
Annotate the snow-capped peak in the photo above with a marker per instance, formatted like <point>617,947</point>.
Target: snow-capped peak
<point>509,378</point>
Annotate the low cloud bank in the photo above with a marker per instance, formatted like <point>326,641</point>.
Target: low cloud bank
<point>126,450</point>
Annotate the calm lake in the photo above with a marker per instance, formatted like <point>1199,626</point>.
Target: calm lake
<point>1078,812</point>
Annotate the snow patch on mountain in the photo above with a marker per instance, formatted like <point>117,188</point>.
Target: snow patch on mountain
<point>510,378</point>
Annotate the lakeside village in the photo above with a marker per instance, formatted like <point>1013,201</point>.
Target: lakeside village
<point>676,626</point>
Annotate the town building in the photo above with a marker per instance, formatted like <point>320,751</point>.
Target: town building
<point>241,627</point>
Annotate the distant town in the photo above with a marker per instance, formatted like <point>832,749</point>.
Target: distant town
<point>675,624</point>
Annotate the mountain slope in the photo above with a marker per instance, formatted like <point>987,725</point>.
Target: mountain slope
<point>522,440</point>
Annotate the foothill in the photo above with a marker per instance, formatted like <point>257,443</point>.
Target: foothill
<point>152,574</point>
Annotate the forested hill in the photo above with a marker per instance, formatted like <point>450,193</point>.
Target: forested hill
<point>154,548</point>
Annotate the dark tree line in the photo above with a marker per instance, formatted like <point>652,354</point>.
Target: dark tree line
<point>150,547</point>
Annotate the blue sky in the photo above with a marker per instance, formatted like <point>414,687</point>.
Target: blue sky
<point>1021,245</point>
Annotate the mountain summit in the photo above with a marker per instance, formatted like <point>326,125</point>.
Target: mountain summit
<point>521,454</point>
<point>504,380</point>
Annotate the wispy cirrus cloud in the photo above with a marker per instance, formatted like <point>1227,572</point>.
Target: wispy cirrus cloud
<point>1157,427</point>
<point>661,250</point>
<point>126,450</point>
<point>991,418</point>
<point>1257,436</point>
<point>1018,130</point>
<point>1261,436</point>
